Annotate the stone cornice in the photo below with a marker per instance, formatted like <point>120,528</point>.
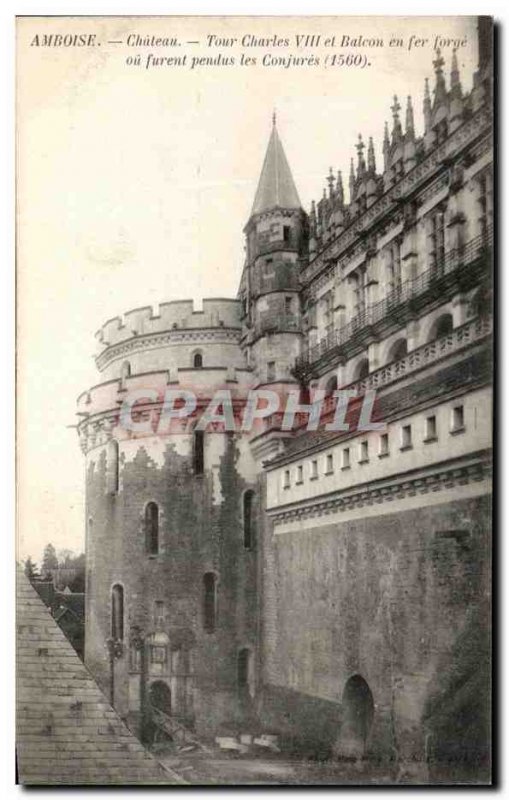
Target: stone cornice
<point>446,475</point>
<point>153,341</point>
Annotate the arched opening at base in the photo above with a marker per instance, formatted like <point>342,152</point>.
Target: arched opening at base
<point>358,708</point>
<point>160,697</point>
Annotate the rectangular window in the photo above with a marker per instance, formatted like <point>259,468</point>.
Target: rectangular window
<point>457,420</point>
<point>287,233</point>
<point>329,464</point>
<point>286,479</point>
<point>300,477</point>
<point>363,452</point>
<point>384,445</point>
<point>158,615</point>
<point>430,430</point>
<point>271,371</point>
<point>406,437</point>
<point>288,305</point>
<point>346,459</point>
<point>437,241</point>
<point>314,470</point>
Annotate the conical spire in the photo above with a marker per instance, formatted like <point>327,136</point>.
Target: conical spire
<point>455,75</point>
<point>427,105</point>
<point>409,121</point>
<point>276,187</point>
<point>351,180</point>
<point>371,155</point>
<point>440,88</point>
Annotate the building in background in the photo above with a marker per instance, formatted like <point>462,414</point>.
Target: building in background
<point>333,586</point>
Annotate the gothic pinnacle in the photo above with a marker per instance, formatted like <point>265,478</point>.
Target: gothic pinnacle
<point>427,105</point>
<point>351,180</point>
<point>339,188</point>
<point>455,75</point>
<point>409,121</point>
<point>440,89</point>
<point>361,164</point>
<point>396,127</point>
<point>371,155</point>
<point>330,181</point>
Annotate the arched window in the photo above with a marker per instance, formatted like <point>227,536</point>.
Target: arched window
<point>198,452</point>
<point>209,602</point>
<point>398,351</point>
<point>113,467</point>
<point>198,360</point>
<point>152,528</point>
<point>361,370</point>
<point>244,668</point>
<point>126,370</point>
<point>249,519</point>
<point>331,385</point>
<point>441,327</point>
<point>117,612</point>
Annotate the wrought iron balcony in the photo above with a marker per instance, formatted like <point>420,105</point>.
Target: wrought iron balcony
<point>475,330</point>
<point>433,282</point>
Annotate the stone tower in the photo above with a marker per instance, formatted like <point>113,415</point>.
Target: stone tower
<point>276,238</point>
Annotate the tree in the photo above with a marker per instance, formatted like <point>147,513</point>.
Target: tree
<point>31,569</point>
<point>49,561</point>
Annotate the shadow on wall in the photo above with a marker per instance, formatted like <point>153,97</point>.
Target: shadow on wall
<point>456,717</point>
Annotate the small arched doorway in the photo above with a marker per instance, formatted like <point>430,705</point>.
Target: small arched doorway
<point>358,708</point>
<point>160,697</point>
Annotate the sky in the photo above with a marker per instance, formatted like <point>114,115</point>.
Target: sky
<point>134,185</point>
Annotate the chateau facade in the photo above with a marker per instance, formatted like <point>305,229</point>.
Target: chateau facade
<point>330,585</point>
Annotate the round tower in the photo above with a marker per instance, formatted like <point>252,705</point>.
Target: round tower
<point>172,519</point>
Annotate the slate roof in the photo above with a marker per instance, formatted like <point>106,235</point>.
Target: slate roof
<point>276,188</point>
<point>66,731</point>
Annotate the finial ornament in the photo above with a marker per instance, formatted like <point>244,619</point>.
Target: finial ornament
<point>274,118</point>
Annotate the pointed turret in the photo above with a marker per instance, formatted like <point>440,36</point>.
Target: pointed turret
<point>276,187</point>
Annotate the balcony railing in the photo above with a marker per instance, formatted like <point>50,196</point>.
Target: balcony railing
<point>457,259</point>
<point>475,330</point>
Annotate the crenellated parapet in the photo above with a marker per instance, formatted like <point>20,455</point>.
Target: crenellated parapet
<point>176,315</point>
